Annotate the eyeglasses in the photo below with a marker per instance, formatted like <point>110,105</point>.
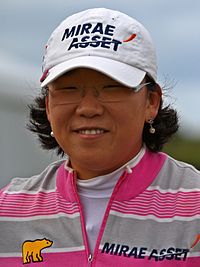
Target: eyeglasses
<point>105,94</point>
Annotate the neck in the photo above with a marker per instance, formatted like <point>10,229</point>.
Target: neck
<point>85,174</point>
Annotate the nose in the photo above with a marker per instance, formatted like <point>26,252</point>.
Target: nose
<point>89,105</point>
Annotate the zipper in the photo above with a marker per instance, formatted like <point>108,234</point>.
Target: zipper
<point>91,257</point>
<point>85,238</point>
<point>105,218</point>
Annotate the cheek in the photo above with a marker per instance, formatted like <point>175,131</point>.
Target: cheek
<point>127,140</point>
<point>131,123</point>
<point>129,128</point>
<point>132,116</point>
<point>59,118</point>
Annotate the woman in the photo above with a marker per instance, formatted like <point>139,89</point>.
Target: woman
<point>116,200</point>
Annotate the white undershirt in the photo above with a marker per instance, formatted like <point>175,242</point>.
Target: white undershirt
<point>94,195</point>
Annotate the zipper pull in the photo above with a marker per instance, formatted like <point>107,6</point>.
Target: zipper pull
<point>90,258</point>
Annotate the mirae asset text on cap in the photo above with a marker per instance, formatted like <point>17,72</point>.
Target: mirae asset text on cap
<point>100,39</point>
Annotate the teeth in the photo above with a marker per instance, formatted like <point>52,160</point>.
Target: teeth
<point>92,131</point>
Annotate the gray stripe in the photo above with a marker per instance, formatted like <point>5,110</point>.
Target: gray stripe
<point>46,180</point>
<point>64,232</point>
<point>175,174</point>
<point>151,234</point>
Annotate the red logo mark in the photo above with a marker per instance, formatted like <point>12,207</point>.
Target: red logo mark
<point>196,241</point>
<point>130,38</point>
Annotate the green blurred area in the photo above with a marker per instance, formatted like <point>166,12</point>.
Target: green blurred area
<point>184,149</point>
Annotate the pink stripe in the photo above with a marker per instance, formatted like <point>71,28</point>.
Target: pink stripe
<point>26,215</point>
<point>158,207</point>
<point>161,205</point>
<point>138,206</point>
<point>79,259</point>
<point>155,206</point>
<point>70,259</point>
<point>31,197</point>
<point>169,195</point>
<point>110,260</point>
<point>25,205</point>
<point>37,205</point>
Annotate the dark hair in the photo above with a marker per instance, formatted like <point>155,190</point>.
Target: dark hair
<point>165,123</point>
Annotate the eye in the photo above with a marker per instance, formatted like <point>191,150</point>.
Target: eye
<point>111,87</point>
<point>116,88</point>
<point>67,88</point>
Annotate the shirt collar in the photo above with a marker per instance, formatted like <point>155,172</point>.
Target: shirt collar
<point>102,186</point>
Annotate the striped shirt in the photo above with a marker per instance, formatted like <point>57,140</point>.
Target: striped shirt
<point>152,219</point>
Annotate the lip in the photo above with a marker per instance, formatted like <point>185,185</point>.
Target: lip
<point>100,132</point>
<point>82,128</point>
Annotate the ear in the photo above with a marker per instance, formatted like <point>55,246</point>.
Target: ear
<point>154,99</point>
<point>47,108</point>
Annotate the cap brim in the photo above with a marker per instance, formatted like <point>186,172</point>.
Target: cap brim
<point>121,72</point>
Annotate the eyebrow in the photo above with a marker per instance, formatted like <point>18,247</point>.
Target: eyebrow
<point>71,72</point>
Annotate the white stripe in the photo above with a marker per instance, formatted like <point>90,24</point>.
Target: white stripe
<point>179,190</point>
<point>194,254</point>
<point>189,255</point>
<point>10,255</point>
<point>80,248</point>
<point>154,218</point>
<point>47,250</point>
<point>46,217</point>
<point>52,250</point>
<point>28,192</point>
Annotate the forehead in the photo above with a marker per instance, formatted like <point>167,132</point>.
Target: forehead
<point>82,75</point>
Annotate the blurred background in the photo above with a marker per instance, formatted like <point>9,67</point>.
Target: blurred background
<point>25,27</point>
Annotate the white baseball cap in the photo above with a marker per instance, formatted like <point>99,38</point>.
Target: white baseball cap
<point>105,40</point>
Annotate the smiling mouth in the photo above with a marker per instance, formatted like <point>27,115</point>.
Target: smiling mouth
<point>91,131</point>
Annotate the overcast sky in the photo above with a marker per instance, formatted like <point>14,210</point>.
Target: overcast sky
<point>25,26</point>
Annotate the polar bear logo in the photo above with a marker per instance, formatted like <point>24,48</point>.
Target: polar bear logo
<point>31,250</point>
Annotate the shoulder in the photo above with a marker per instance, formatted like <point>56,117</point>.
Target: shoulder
<point>175,174</point>
<point>44,181</point>
<point>180,167</point>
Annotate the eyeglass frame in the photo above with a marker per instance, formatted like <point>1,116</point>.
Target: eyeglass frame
<point>135,89</point>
